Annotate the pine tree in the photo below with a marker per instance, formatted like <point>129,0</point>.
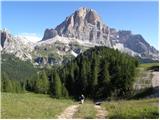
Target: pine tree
<point>105,80</point>
<point>4,80</point>
<point>42,84</point>
<point>51,85</point>
<point>45,82</point>
<point>104,74</point>
<point>94,75</point>
<point>64,91</point>
<point>9,86</point>
<point>16,85</point>
<point>57,85</point>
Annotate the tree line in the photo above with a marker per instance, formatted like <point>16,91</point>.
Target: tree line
<point>41,82</point>
<point>100,72</point>
<point>97,73</point>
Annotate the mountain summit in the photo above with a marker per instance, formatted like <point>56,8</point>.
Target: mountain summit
<point>84,24</point>
<point>80,31</point>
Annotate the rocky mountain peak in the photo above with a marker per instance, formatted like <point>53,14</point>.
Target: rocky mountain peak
<point>79,31</point>
<point>85,24</point>
<point>49,33</point>
<point>87,14</point>
<point>14,45</point>
<point>5,36</point>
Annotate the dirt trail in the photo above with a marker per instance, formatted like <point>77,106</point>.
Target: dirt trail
<point>100,112</point>
<point>68,112</point>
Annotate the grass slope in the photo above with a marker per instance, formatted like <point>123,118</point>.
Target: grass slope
<point>135,109</point>
<point>148,65</point>
<point>30,105</point>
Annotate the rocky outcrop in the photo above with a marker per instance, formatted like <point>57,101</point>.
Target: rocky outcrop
<point>137,44</point>
<point>86,25</point>
<point>49,33</point>
<point>15,45</point>
<point>80,31</point>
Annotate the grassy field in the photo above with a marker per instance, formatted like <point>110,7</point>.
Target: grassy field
<point>30,105</point>
<point>86,111</point>
<point>148,65</point>
<point>139,109</point>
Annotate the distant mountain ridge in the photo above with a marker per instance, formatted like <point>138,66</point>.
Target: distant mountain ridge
<point>86,25</point>
<point>81,30</point>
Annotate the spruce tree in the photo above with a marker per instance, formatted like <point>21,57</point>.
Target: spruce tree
<point>57,85</point>
<point>8,86</point>
<point>42,84</point>
<point>64,91</point>
<point>105,80</point>
<point>4,80</point>
<point>94,75</point>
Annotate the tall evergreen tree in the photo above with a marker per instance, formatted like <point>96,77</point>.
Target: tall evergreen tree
<point>94,75</point>
<point>104,81</point>
<point>57,85</point>
<point>4,81</point>
<point>64,91</point>
<point>42,84</point>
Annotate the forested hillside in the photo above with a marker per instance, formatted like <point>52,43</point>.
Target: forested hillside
<point>100,72</point>
<point>15,73</point>
<point>16,69</point>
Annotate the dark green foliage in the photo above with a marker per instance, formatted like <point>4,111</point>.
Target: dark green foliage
<point>57,89</point>
<point>64,92</point>
<point>104,87</point>
<point>146,92</point>
<point>15,73</point>
<point>17,69</point>
<point>42,83</point>
<point>31,83</point>
<point>18,76</point>
<point>100,72</point>
<point>57,85</point>
<point>10,85</point>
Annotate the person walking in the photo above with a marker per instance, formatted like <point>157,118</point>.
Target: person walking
<point>82,99</point>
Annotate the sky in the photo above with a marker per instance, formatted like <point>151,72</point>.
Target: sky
<point>32,18</point>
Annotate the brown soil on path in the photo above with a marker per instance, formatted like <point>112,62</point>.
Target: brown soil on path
<point>100,112</point>
<point>68,112</point>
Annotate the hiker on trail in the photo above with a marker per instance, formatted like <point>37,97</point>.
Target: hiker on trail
<point>82,99</point>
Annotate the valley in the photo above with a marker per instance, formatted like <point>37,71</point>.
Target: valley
<point>115,72</point>
<point>35,106</point>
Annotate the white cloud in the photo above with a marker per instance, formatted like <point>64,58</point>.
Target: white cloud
<point>32,37</point>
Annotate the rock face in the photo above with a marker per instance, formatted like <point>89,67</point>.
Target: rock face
<point>80,31</point>
<point>15,45</point>
<point>86,25</point>
<point>49,33</point>
<point>137,44</point>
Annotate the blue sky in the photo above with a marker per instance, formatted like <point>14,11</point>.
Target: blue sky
<point>34,17</point>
